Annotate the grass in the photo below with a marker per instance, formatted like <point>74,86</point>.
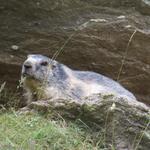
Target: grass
<point>9,99</point>
<point>25,132</point>
<point>38,132</point>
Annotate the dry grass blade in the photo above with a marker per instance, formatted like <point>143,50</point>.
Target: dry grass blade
<point>125,55</point>
<point>141,136</point>
<point>2,87</point>
<point>69,38</point>
<point>61,49</point>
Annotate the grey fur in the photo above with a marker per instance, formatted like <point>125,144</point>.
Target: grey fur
<point>59,80</point>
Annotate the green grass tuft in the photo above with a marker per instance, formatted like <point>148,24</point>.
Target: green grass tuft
<point>36,132</point>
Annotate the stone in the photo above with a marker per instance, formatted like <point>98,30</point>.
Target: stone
<point>15,47</point>
<point>125,123</point>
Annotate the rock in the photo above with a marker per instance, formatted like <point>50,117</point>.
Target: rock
<point>15,47</point>
<point>98,33</point>
<point>121,17</point>
<point>123,123</point>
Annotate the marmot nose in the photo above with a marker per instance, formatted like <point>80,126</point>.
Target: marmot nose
<point>27,65</point>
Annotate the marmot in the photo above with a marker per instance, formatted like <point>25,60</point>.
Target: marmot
<point>44,78</point>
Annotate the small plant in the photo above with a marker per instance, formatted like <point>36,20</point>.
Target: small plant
<point>8,98</point>
<point>36,132</point>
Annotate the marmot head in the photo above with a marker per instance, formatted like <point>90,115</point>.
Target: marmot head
<point>38,67</point>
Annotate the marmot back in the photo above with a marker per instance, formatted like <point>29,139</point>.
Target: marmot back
<point>44,78</point>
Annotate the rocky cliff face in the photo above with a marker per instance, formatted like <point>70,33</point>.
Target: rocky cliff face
<point>99,32</point>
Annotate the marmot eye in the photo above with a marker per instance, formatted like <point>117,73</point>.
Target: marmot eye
<point>44,63</point>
